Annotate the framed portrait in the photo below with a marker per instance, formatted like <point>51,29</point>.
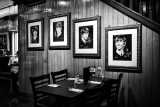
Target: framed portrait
<point>59,31</point>
<point>4,41</point>
<point>123,48</point>
<point>35,34</point>
<point>87,37</point>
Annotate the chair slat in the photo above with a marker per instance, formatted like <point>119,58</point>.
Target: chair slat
<point>59,75</point>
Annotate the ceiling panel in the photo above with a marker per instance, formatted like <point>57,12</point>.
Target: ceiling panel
<point>4,3</point>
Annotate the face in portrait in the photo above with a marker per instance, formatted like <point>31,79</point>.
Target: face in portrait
<point>122,47</point>
<point>86,37</point>
<point>58,34</point>
<point>35,34</point>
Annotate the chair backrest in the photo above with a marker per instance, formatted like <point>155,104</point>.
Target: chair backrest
<point>93,96</point>
<point>113,91</point>
<point>60,75</point>
<point>37,82</point>
<point>86,74</point>
<point>120,76</point>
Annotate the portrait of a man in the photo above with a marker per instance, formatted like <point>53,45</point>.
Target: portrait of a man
<point>58,34</point>
<point>122,47</point>
<point>34,34</point>
<point>86,37</point>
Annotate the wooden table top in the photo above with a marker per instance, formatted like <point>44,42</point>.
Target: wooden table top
<point>63,89</point>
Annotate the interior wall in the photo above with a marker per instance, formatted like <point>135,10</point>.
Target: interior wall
<point>14,43</point>
<point>137,89</point>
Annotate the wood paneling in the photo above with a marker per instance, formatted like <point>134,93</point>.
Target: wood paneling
<point>137,89</point>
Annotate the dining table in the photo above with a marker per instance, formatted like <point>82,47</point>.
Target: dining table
<point>69,92</point>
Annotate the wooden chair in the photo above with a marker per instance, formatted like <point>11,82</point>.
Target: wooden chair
<point>93,96</point>
<point>41,100</point>
<point>60,75</point>
<point>111,92</point>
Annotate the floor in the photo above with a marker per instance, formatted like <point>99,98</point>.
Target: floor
<point>13,100</point>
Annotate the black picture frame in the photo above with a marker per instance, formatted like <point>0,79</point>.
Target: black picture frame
<point>4,41</point>
<point>92,48</point>
<point>127,38</point>
<point>35,42</point>
<point>62,41</point>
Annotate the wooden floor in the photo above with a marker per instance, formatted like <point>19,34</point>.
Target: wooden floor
<point>13,100</point>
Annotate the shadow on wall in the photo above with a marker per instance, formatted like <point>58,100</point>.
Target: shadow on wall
<point>131,100</point>
<point>121,98</point>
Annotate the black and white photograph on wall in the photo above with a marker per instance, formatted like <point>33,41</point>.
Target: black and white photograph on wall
<point>35,34</point>
<point>35,37</point>
<point>3,42</point>
<point>122,47</point>
<point>86,37</point>
<point>58,31</point>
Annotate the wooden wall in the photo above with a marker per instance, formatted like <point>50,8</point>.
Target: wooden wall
<point>137,89</point>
